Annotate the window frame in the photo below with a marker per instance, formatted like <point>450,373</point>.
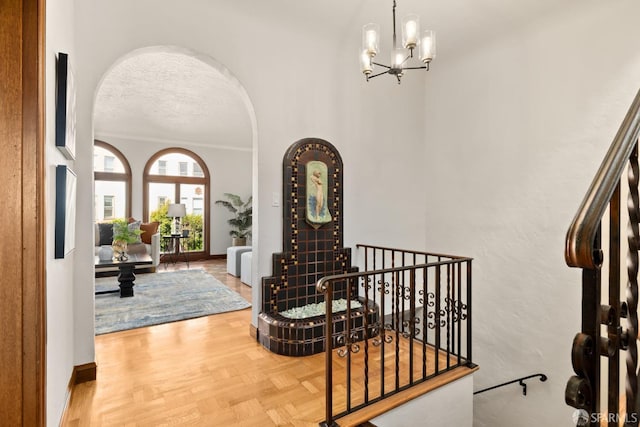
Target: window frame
<point>116,176</point>
<point>148,178</point>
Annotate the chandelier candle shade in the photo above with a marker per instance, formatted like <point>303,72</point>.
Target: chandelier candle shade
<point>400,55</point>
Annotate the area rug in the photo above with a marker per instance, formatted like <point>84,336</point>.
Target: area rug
<point>162,298</point>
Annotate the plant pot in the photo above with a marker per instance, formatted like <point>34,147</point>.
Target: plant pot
<point>238,241</point>
<point>119,250</point>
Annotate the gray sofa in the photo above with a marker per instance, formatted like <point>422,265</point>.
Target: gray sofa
<point>152,249</point>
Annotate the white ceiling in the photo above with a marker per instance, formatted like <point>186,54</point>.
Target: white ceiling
<point>174,97</point>
<point>171,97</point>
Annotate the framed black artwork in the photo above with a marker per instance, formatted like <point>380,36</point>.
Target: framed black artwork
<point>65,229</point>
<point>65,107</point>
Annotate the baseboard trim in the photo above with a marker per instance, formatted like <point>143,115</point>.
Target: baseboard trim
<point>84,373</point>
<point>80,374</point>
<point>193,257</point>
<point>253,332</point>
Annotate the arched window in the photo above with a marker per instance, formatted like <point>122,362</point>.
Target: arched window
<point>112,176</point>
<point>176,175</point>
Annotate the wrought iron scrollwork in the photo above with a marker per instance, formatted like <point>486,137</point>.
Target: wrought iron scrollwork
<point>383,336</point>
<point>365,282</point>
<point>456,307</point>
<point>578,392</point>
<point>348,344</point>
<point>431,299</point>
<point>438,319</point>
<point>406,290</point>
<point>408,324</point>
<point>384,287</point>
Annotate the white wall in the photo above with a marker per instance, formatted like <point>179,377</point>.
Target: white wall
<point>296,93</point>
<point>515,130</point>
<point>448,406</point>
<point>230,172</point>
<point>382,137</point>
<point>60,272</point>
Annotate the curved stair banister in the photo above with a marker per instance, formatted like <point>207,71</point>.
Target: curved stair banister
<point>582,232</point>
<point>583,249</point>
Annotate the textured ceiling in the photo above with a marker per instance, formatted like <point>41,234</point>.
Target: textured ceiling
<point>171,97</point>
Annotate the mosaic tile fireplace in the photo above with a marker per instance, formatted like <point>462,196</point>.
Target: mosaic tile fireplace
<point>312,249</point>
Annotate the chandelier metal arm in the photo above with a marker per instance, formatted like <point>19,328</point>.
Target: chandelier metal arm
<point>426,67</point>
<point>376,75</point>
<point>381,65</point>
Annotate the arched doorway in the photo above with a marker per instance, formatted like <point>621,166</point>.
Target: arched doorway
<point>125,128</point>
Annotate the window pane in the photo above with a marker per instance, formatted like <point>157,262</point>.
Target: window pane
<point>175,164</point>
<point>162,167</point>
<point>108,163</point>
<point>108,207</point>
<point>192,195</point>
<point>110,200</point>
<point>198,206</point>
<point>101,164</point>
<point>197,170</point>
<point>160,196</point>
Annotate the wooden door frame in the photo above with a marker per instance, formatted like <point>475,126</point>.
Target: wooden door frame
<point>22,255</point>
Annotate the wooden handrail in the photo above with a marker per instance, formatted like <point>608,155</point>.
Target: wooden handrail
<point>435,254</point>
<point>581,235</point>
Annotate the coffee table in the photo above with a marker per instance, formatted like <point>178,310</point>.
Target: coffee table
<point>126,276</point>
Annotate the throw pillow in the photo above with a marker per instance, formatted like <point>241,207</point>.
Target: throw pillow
<point>106,233</point>
<point>133,226</point>
<point>148,230</point>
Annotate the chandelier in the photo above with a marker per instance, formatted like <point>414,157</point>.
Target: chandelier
<point>400,55</point>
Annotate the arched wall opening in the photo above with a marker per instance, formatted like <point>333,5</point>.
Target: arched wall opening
<point>133,144</point>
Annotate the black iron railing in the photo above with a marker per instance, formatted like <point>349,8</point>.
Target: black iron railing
<point>521,382</point>
<point>413,323</point>
<point>597,348</point>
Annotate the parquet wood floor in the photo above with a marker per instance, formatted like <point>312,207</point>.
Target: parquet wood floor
<point>199,372</point>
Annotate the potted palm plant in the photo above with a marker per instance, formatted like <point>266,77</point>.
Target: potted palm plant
<point>241,221</point>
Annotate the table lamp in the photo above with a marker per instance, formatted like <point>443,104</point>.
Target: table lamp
<point>176,211</point>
